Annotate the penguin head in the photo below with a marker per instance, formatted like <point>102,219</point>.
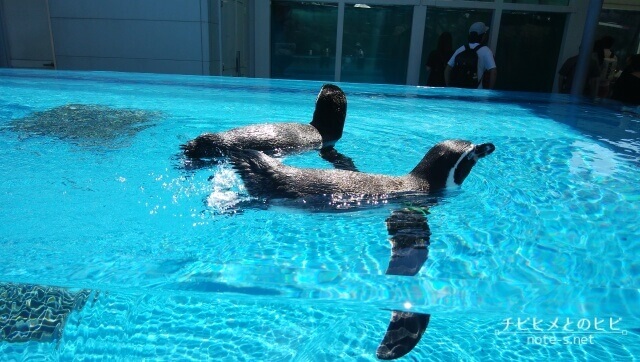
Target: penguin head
<point>330,113</point>
<point>448,163</point>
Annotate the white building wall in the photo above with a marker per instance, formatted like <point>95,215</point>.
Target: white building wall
<point>160,36</point>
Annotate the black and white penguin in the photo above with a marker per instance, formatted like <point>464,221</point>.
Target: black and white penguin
<point>278,139</point>
<point>446,164</point>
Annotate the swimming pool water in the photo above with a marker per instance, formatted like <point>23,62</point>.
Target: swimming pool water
<point>546,228</point>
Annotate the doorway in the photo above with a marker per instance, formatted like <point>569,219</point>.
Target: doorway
<point>233,40</point>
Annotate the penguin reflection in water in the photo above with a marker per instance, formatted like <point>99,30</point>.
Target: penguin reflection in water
<point>446,165</point>
<point>280,139</point>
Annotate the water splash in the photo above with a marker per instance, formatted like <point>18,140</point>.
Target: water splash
<point>228,190</point>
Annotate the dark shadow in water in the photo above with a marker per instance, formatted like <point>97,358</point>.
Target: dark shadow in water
<point>211,286</point>
<point>36,313</point>
<point>86,125</point>
<point>614,124</point>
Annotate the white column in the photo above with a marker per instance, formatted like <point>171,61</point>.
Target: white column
<point>588,36</point>
<point>415,49</point>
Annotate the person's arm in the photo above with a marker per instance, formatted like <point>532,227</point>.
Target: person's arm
<point>489,65</point>
<point>493,75</point>
<point>447,74</point>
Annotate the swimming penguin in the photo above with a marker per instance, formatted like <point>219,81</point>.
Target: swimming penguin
<point>446,164</point>
<point>278,139</point>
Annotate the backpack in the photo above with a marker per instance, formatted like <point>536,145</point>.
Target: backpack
<point>465,68</point>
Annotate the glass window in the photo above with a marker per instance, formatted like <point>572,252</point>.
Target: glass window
<point>539,2</point>
<point>454,21</point>
<point>303,40</point>
<point>624,27</point>
<point>375,47</point>
<point>528,50</point>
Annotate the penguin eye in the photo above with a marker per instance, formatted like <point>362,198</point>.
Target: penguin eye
<point>472,154</point>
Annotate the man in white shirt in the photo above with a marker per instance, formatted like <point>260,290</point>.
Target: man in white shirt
<point>477,40</point>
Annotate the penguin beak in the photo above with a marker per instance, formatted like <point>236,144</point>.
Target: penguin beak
<point>484,149</point>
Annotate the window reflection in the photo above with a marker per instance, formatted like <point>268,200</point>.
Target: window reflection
<point>303,40</point>
<point>454,21</point>
<point>539,2</point>
<point>528,50</point>
<point>375,46</point>
<point>624,27</point>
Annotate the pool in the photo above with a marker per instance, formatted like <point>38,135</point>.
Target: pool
<point>535,257</point>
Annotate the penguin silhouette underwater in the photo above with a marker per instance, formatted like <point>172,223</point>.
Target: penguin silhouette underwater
<point>280,139</point>
<point>445,165</point>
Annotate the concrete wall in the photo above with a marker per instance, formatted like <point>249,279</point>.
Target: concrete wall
<point>159,36</point>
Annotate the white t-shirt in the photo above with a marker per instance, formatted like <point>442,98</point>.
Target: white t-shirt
<point>485,59</point>
<point>608,68</point>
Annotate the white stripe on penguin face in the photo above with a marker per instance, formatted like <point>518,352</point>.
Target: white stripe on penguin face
<point>450,179</point>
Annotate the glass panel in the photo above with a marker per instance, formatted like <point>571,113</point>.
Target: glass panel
<point>539,2</point>
<point>235,47</point>
<point>454,21</point>
<point>303,40</point>
<point>624,27</point>
<point>375,46</point>
<point>528,50</point>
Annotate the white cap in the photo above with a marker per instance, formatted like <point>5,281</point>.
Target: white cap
<point>479,28</point>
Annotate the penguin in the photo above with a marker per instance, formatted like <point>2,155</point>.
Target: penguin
<point>445,165</point>
<point>280,139</point>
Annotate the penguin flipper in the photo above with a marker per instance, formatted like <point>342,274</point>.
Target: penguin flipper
<point>404,332</point>
<point>339,161</point>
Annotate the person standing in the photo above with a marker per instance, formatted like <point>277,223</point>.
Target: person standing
<point>475,55</point>
<point>437,61</point>
<point>567,72</point>
<point>608,63</point>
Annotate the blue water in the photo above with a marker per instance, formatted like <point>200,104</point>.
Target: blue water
<point>545,228</point>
